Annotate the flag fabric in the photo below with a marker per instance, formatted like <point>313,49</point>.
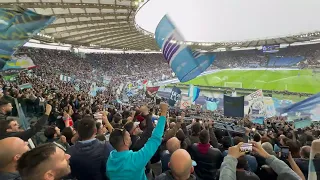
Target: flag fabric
<point>11,77</point>
<point>253,100</point>
<point>77,87</point>
<point>186,64</point>
<point>152,91</point>
<point>309,106</point>
<point>270,110</point>
<point>211,106</point>
<point>17,27</point>
<point>233,106</point>
<point>193,92</point>
<point>212,103</point>
<point>302,123</point>
<point>145,84</point>
<point>185,102</point>
<point>93,89</point>
<point>18,63</point>
<point>174,96</point>
<point>65,78</point>
<point>25,86</point>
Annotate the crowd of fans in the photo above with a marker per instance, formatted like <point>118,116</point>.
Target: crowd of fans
<point>77,136</point>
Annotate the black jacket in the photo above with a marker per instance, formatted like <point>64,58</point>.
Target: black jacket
<point>208,161</point>
<point>27,134</point>
<point>88,159</point>
<point>139,141</point>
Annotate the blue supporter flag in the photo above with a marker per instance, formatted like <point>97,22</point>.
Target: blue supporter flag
<point>193,92</point>
<point>16,28</point>
<point>309,106</point>
<point>186,64</point>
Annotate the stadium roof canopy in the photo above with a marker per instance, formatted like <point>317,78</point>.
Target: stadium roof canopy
<point>113,23</point>
<point>91,23</point>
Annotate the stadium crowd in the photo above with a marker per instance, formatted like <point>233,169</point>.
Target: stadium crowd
<point>81,137</point>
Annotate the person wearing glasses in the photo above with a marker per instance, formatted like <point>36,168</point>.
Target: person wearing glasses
<point>126,164</point>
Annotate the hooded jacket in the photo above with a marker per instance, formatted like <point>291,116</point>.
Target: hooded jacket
<point>88,159</point>
<point>168,176</point>
<point>129,164</point>
<point>208,160</point>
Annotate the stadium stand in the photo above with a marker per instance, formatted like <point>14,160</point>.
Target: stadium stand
<point>77,121</point>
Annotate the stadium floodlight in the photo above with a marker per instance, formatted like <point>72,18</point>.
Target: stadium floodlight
<point>233,84</point>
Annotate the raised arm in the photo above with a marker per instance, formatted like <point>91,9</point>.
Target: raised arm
<point>229,164</point>
<point>143,156</point>
<point>27,134</point>
<point>277,165</point>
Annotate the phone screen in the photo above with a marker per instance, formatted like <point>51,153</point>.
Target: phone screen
<point>246,147</point>
<point>284,152</point>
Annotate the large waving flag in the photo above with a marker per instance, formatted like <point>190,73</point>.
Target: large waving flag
<point>309,106</point>
<point>17,63</point>
<point>17,27</point>
<point>193,92</point>
<point>184,63</point>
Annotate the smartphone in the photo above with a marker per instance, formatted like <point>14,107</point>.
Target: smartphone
<point>246,147</point>
<point>284,152</point>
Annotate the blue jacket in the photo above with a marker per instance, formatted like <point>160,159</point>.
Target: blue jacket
<point>131,165</point>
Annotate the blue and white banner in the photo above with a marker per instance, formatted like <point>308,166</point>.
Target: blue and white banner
<point>65,78</point>
<point>193,92</point>
<point>308,107</point>
<point>184,63</point>
<point>17,27</point>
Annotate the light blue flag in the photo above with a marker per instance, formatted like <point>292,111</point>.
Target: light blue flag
<point>184,63</point>
<point>212,106</point>
<point>302,123</point>
<point>16,28</point>
<point>193,92</point>
<point>309,106</point>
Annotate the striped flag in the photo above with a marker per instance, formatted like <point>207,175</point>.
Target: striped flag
<point>186,64</point>
<point>65,78</point>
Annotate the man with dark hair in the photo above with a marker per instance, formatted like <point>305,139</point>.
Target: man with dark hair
<point>44,162</point>
<point>5,109</point>
<point>89,155</point>
<point>242,172</point>
<point>10,127</point>
<point>126,164</point>
<point>208,159</point>
<point>11,150</point>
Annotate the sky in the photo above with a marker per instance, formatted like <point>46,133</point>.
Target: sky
<point>233,20</point>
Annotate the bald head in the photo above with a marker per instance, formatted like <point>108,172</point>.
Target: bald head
<point>173,144</point>
<point>181,164</point>
<point>305,152</point>
<point>172,125</point>
<point>11,150</point>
